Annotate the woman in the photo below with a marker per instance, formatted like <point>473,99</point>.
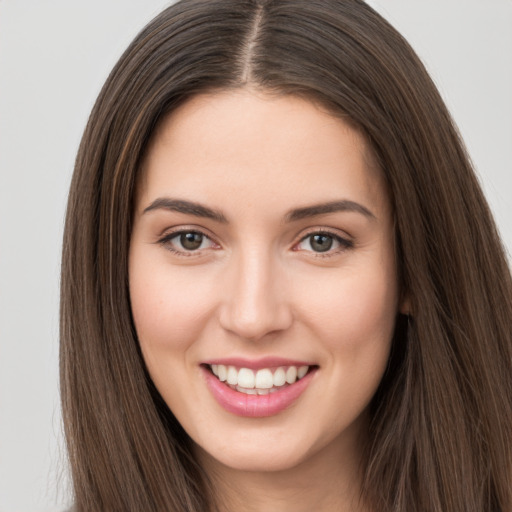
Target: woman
<point>282,287</point>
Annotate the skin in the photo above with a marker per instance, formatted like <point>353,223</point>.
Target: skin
<point>257,287</point>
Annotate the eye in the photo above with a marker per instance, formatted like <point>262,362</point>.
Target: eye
<point>183,242</point>
<point>323,242</point>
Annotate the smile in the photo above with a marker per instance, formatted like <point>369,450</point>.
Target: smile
<point>260,391</point>
<point>260,382</point>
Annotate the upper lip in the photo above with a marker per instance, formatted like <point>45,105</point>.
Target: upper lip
<point>256,364</point>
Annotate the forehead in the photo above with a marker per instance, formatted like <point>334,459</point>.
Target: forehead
<point>251,143</point>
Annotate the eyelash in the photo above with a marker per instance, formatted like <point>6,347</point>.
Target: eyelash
<point>343,243</point>
<point>166,241</point>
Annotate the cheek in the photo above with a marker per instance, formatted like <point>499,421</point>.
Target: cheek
<point>168,309</point>
<point>354,322</point>
<point>356,312</point>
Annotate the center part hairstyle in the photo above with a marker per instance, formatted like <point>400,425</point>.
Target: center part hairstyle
<point>440,437</point>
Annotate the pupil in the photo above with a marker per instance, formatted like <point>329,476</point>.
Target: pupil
<point>191,241</point>
<point>321,243</point>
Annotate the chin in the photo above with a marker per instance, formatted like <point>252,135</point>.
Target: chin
<point>257,460</point>
<point>268,451</point>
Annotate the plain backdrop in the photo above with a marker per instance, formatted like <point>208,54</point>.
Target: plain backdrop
<point>54,57</point>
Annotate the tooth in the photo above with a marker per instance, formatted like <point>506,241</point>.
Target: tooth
<point>263,391</point>
<point>232,376</point>
<point>273,390</point>
<point>246,391</point>
<point>264,379</point>
<point>222,372</point>
<point>302,371</point>
<point>291,374</point>
<point>246,378</point>
<point>215,369</point>
<point>279,377</point>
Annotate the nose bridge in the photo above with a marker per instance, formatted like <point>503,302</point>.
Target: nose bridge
<point>255,302</point>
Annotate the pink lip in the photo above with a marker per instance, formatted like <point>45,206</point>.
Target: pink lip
<point>256,364</point>
<point>255,406</point>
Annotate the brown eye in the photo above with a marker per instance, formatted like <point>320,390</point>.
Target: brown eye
<point>321,242</point>
<point>187,242</point>
<point>191,241</point>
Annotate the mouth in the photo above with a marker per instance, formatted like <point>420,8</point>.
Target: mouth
<point>259,382</point>
<point>260,391</point>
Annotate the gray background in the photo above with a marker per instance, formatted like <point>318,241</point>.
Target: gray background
<point>54,57</point>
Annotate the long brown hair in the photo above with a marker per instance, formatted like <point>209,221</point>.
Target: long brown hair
<point>441,431</point>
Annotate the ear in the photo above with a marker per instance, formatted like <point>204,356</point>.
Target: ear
<point>404,306</point>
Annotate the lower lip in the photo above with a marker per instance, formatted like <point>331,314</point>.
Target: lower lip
<point>255,406</point>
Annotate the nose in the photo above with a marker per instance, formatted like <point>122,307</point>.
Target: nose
<point>255,302</point>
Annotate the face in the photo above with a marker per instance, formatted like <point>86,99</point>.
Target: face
<point>262,277</point>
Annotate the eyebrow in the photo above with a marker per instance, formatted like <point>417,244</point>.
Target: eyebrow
<point>199,210</point>
<point>325,208</point>
<point>187,207</point>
